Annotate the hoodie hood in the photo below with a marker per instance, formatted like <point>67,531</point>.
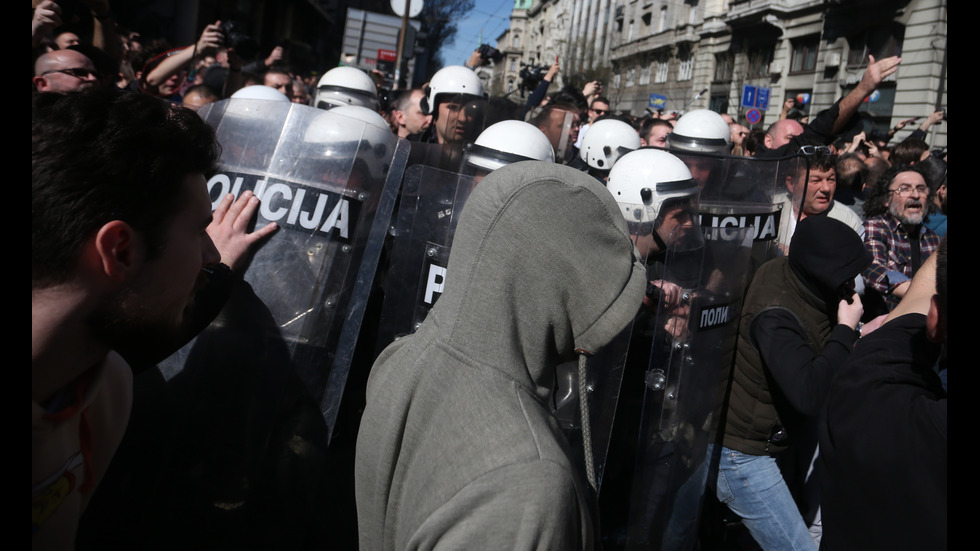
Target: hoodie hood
<point>458,446</point>
<point>541,266</point>
<point>825,253</point>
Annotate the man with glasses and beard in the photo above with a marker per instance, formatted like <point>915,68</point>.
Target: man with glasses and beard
<point>894,231</point>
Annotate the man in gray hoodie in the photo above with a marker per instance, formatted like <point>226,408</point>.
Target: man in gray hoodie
<point>458,447</point>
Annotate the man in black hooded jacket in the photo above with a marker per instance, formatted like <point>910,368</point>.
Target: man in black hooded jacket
<point>798,324</point>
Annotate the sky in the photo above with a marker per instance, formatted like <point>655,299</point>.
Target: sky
<point>488,18</point>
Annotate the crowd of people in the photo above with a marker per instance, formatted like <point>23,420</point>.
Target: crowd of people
<point>831,432</point>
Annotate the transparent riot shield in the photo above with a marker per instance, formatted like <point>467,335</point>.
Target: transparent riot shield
<point>330,182</point>
<point>587,396</point>
<point>747,192</point>
<point>587,423</point>
<point>422,235</point>
<point>704,277</point>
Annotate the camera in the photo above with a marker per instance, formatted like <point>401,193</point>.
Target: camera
<point>488,52</point>
<point>531,76</point>
<point>244,45</point>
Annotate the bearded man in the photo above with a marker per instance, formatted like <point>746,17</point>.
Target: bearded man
<point>894,231</point>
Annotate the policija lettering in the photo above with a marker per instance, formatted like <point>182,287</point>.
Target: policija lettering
<point>766,225</point>
<point>292,206</point>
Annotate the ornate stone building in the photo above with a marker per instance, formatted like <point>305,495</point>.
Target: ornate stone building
<point>707,53</point>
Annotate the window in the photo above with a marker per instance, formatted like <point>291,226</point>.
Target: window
<point>759,60</point>
<point>685,69</point>
<point>724,67</point>
<point>645,75</point>
<point>805,55</point>
<point>616,80</point>
<point>630,77</point>
<point>662,26</point>
<point>879,111</point>
<point>880,42</point>
<point>692,11</point>
<point>718,103</point>
<point>517,41</point>
<point>662,68</point>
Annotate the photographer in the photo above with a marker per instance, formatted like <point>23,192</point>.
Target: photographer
<point>537,96</point>
<point>163,75</point>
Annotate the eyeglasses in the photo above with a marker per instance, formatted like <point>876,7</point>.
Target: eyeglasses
<point>600,111</point>
<point>906,191</point>
<point>74,72</point>
<point>814,149</point>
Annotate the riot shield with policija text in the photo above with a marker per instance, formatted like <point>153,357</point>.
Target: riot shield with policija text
<point>421,236</point>
<point>330,182</point>
<point>685,383</point>
<point>746,192</point>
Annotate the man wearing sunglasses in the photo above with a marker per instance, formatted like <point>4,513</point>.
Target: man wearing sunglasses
<point>64,71</point>
<point>598,108</point>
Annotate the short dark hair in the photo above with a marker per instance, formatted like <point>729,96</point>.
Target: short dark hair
<point>105,155</point>
<point>851,171</point>
<point>279,70</point>
<point>542,115</point>
<point>878,197</point>
<point>909,151</point>
<point>648,124</point>
<point>400,99</point>
<point>823,161</point>
<point>603,99</point>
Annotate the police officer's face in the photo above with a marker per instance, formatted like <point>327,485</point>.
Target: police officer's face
<point>676,221</point>
<point>449,127</point>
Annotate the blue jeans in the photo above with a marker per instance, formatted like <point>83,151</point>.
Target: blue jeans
<point>753,488</point>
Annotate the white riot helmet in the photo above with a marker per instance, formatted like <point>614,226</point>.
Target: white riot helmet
<point>259,91</point>
<point>701,130</point>
<point>508,142</point>
<point>347,132</point>
<point>452,80</point>
<point>606,141</point>
<point>346,86</point>
<point>643,180</point>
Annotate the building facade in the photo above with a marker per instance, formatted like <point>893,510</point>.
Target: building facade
<point>677,55</point>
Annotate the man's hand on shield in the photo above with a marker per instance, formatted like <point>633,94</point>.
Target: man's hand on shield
<point>677,323</point>
<point>670,293</point>
<point>229,230</point>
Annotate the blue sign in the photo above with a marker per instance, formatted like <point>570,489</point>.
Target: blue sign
<point>748,96</point>
<point>762,99</point>
<point>657,102</point>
